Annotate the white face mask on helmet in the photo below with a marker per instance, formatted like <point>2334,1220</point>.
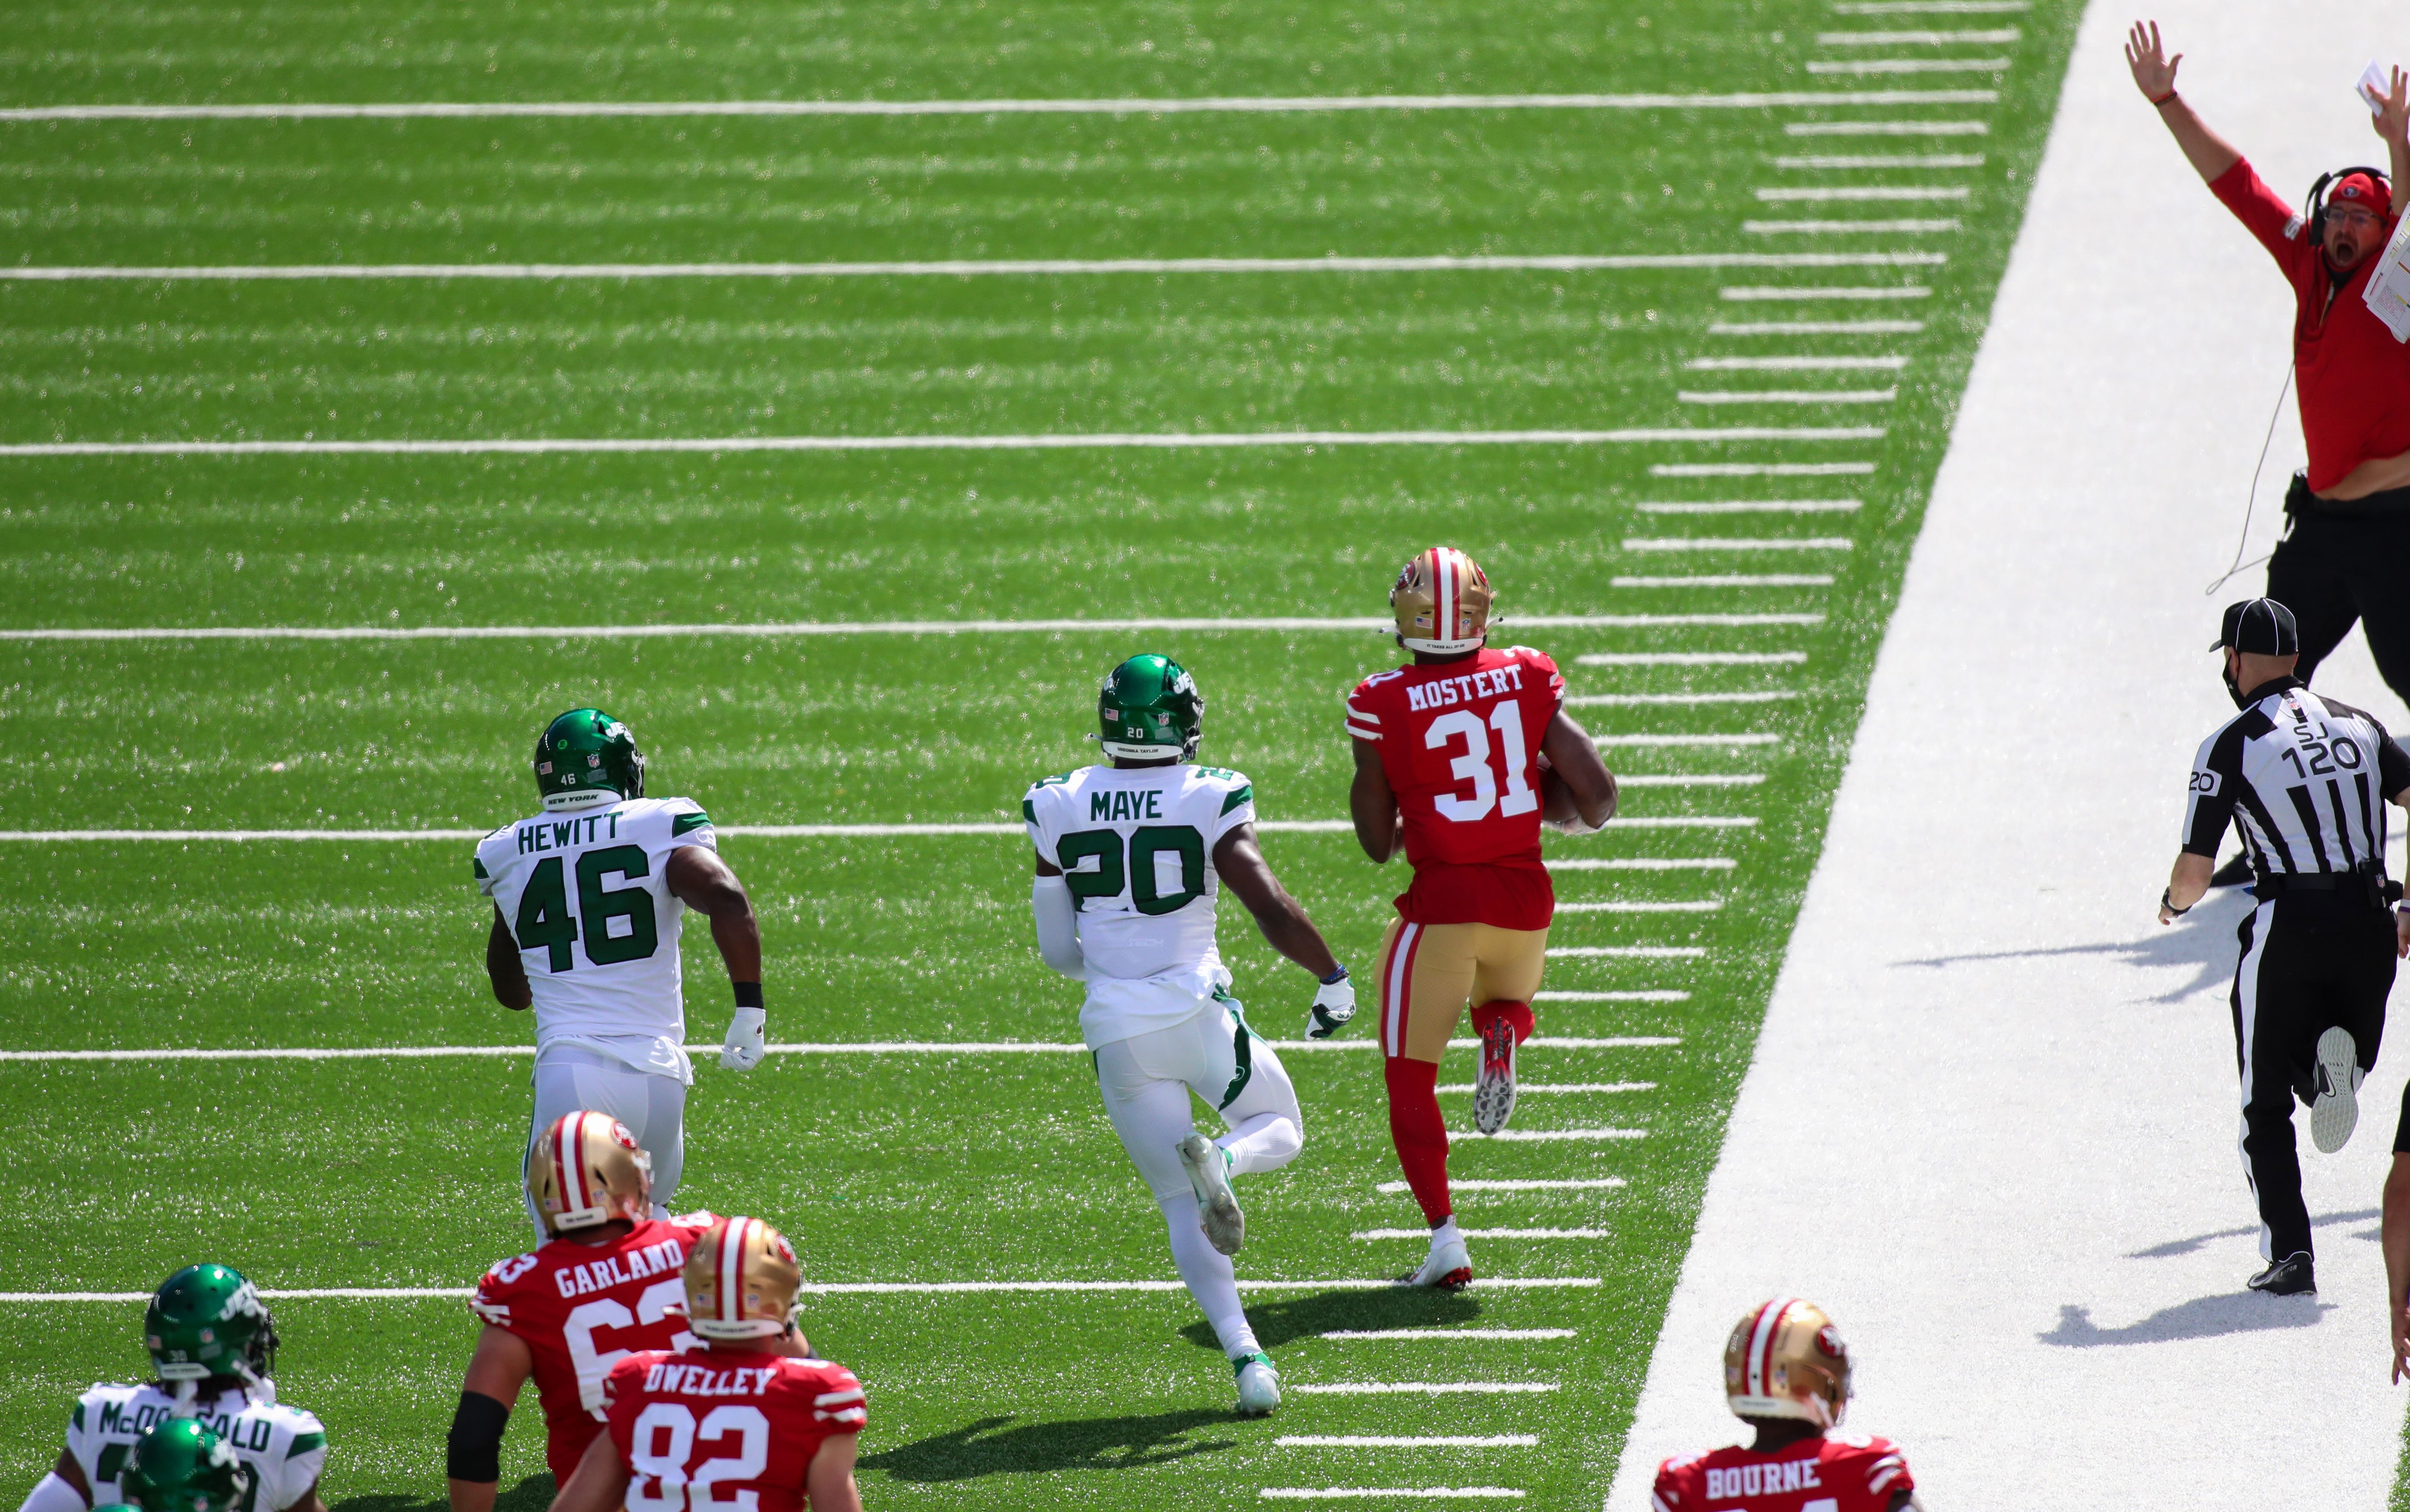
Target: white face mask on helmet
<point>1442,603</point>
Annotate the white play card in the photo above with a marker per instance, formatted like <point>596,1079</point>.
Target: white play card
<point>2374,86</point>
<point>2388,288</point>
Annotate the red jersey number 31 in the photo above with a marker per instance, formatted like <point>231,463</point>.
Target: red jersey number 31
<point>1471,764</point>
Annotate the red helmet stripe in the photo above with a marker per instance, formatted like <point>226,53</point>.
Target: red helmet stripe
<point>1444,594</point>
<point>1761,1343</point>
<point>733,1236</point>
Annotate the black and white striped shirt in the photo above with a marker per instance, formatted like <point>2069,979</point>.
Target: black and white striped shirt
<point>2303,777</point>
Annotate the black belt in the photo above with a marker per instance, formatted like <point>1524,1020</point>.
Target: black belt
<point>2300,500</point>
<point>2368,880</point>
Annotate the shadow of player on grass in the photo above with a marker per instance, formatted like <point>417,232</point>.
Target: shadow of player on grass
<point>2203,1317</point>
<point>1303,1317</point>
<point>988,1448</point>
<point>533,1494</point>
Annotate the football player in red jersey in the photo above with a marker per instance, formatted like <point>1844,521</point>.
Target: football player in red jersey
<point>606,1284</point>
<point>750,1421</point>
<point>1787,1374</point>
<point>1460,756</point>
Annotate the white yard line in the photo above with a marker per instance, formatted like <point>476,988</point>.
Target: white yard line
<point>1886,128</point>
<point>1756,506</point>
<point>1100,440</point>
<point>1450,1333</point>
<point>1630,952</point>
<point>957,268</point>
<point>1753,293</point>
<point>1376,1235</point>
<point>1523,1087</point>
<point>1691,658</point>
<point>842,1288</point>
<point>1862,66</point>
<point>1547,1135</point>
<point>1932,8</point>
<point>841,1048</point>
<point>1788,396</point>
<point>1760,470</point>
<point>1827,194</point>
<point>1710,906</point>
<point>1423,1387</point>
<point>1338,625</point>
<point>1645,863</point>
<point>1751,738</point>
<point>1817,327</point>
<point>1795,365</point>
<point>1385,1494</point>
<point>1584,1184</point>
<point>1968,35</point>
<point>1848,228</point>
<point>1640,995</point>
<point>1626,701</point>
<point>2095,1218</point>
<point>1208,105</point>
<point>1821,161</point>
<point>762,831</point>
<point>1739,543</point>
<point>1731,580</point>
<point>1703,779</point>
<point>1688,821</point>
<point>1429,1441</point>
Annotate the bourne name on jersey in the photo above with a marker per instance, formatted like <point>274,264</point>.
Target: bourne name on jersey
<point>1136,844</point>
<point>282,1450</point>
<point>586,896</point>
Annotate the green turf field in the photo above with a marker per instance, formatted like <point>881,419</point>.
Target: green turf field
<point>929,1167</point>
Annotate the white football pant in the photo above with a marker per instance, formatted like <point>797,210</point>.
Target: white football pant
<point>569,1077</point>
<point>1147,1080</point>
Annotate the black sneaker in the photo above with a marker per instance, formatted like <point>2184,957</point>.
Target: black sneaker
<point>2234,873</point>
<point>2287,1277</point>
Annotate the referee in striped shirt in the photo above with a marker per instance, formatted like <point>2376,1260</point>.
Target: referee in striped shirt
<point>2305,778</point>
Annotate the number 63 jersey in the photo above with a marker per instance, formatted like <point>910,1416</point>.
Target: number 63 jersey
<point>1460,742</point>
<point>726,1428</point>
<point>586,896</point>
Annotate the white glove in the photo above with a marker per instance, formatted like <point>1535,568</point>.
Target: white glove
<point>1334,1005</point>
<point>748,1040</point>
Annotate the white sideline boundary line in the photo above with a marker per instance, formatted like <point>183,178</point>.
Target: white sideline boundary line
<point>739,831</point>
<point>1396,1441</point>
<point>852,1048</point>
<point>1354,624</point>
<point>838,1288</point>
<point>1094,441</point>
<point>1424,1388</point>
<point>1450,1333</point>
<point>1383,1493</point>
<point>1232,104</point>
<point>959,267</point>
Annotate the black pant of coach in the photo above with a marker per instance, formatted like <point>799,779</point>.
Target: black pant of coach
<point>2341,561</point>
<point>2311,960</point>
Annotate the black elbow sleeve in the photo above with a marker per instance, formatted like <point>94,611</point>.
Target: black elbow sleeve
<point>474,1451</point>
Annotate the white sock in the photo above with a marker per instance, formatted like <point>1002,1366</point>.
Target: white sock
<point>1445,1231</point>
<point>1266,1142</point>
<point>1208,1277</point>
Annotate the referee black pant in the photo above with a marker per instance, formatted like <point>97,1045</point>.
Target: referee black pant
<point>2308,963</point>
<point>2346,562</point>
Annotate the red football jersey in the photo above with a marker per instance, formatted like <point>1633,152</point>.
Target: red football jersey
<point>1461,744</point>
<point>726,1428</point>
<point>1836,1473</point>
<point>581,1308</point>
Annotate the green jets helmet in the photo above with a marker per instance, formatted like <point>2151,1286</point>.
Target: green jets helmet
<point>587,758</point>
<point>207,1320</point>
<point>1149,709</point>
<point>180,1467</point>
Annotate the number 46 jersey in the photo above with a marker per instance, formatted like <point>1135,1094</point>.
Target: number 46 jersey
<point>586,896</point>
<point>1460,742</point>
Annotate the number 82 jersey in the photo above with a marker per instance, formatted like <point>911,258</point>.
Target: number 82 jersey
<point>1460,742</point>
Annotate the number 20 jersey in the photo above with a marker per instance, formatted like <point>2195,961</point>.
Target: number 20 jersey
<point>726,1428</point>
<point>581,1309</point>
<point>1460,742</point>
<point>586,895</point>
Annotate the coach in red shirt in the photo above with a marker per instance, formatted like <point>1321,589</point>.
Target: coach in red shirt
<point>2346,554</point>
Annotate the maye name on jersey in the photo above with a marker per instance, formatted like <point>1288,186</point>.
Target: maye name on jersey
<point>586,895</point>
<point>1136,844</point>
<point>283,1448</point>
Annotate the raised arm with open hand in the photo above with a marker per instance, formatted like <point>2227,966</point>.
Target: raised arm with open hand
<point>2393,123</point>
<point>2154,75</point>
<point>2154,72</point>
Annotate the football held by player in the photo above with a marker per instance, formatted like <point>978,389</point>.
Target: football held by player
<point>590,900</point>
<point>1787,1374</point>
<point>1131,858</point>
<point>1460,755</point>
<point>751,1420</point>
<point>212,1346</point>
<point>605,1285</point>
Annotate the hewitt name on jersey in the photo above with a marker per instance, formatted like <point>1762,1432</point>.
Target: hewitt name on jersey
<point>561,834</point>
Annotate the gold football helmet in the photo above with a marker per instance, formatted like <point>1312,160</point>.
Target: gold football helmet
<point>741,1281</point>
<point>1785,1360</point>
<point>1442,603</point>
<point>586,1170</point>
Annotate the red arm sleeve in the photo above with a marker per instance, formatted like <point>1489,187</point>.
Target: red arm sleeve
<point>2264,213</point>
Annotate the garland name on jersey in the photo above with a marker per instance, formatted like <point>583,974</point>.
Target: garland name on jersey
<point>581,1309</point>
<point>282,1450</point>
<point>688,1445</point>
<point>1136,844</point>
<point>586,896</point>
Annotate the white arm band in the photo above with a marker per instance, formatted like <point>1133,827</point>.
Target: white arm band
<point>51,1494</point>
<point>1058,926</point>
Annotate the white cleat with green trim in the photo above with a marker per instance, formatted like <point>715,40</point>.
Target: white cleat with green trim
<point>1259,1384</point>
<point>1209,1172</point>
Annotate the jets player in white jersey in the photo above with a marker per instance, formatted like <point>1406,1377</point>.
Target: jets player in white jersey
<point>214,1348</point>
<point>589,898</point>
<point>1130,859</point>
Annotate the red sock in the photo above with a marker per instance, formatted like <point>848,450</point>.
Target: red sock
<point>1516,1014</point>
<point>1419,1132</point>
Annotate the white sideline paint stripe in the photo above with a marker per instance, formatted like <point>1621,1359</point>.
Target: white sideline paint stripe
<point>1422,1388</point>
<point>1373,1236</point>
<point>1645,863</point>
<point>1105,441</point>
<point>1932,8</point>
<point>1708,905</point>
<point>1806,396</point>
<point>856,1048</point>
<point>1739,543</point>
<point>1686,740</point>
<point>1578,1184</point>
<point>1822,162</point>
<point>1760,469</point>
<point>1362,1493</point>
<point>764,831</point>
<point>1732,779</point>
<point>1915,40</point>
<point>1540,1135</point>
<point>1644,995</point>
<point>1630,952</point>
<point>1817,327</point>
<point>1756,506</point>
<point>829,1288</point>
<point>1690,821</point>
<point>1241,104</point>
<point>1395,1441</point>
<point>1839,228</point>
<point>1891,291</point>
<point>1912,65</point>
<point>1886,128</point>
<point>1343,625</point>
<point>1731,580</point>
<point>1794,365</point>
<point>1568,1087</point>
<point>1827,194</point>
<point>958,268</point>
<point>1691,658</point>
<point>1451,1333</point>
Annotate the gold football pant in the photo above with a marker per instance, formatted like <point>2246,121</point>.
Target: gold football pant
<point>1430,971</point>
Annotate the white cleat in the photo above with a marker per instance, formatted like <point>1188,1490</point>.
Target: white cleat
<point>1208,1172</point>
<point>1448,1267</point>
<point>1259,1384</point>
<point>2336,1111</point>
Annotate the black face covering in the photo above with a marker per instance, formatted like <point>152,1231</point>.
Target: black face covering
<point>2232,691</point>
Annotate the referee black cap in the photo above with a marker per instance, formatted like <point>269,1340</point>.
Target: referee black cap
<point>2260,628</point>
